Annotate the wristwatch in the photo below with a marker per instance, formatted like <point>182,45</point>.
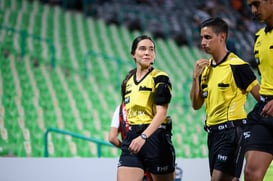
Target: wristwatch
<point>144,136</point>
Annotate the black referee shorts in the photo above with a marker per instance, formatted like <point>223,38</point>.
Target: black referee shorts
<point>259,134</point>
<point>226,151</point>
<point>157,155</point>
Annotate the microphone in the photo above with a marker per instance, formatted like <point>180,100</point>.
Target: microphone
<point>151,63</point>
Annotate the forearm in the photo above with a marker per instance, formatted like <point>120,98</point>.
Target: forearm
<point>160,116</point>
<point>195,94</point>
<point>116,142</point>
<point>255,92</point>
<point>113,137</point>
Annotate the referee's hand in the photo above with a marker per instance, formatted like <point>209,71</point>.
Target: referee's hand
<point>136,144</point>
<point>268,109</point>
<point>199,67</point>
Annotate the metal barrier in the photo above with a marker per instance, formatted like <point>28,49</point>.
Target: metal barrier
<point>99,143</point>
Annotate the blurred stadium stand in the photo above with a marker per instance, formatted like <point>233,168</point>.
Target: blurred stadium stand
<point>60,67</point>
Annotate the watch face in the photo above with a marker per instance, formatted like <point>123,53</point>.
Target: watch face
<point>144,136</point>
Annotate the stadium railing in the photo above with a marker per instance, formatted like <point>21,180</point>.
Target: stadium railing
<point>99,143</point>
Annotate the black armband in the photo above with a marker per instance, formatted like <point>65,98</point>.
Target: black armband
<point>162,94</point>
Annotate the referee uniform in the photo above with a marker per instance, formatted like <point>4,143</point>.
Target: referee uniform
<point>225,87</point>
<point>157,155</point>
<point>260,136</point>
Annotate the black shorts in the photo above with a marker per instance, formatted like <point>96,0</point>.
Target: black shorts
<point>255,116</point>
<point>226,151</point>
<point>259,135</point>
<point>157,155</point>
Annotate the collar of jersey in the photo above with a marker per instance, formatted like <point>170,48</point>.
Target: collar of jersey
<point>137,82</point>
<point>225,57</point>
<point>268,29</point>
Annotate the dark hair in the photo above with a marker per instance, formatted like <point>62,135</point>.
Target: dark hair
<point>124,82</point>
<point>137,40</point>
<point>217,24</point>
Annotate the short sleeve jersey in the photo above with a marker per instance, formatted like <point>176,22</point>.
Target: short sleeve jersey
<point>225,87</point>
<point>263,50</point>
<point>141,97</point>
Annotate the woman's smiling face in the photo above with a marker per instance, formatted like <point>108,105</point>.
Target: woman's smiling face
<point>145,53</point>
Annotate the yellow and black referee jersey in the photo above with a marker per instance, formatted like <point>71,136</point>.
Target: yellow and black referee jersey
<point>263,50</point>
<point>224,87</point>
<point>141,97</point>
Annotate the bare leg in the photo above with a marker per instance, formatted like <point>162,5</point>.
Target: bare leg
<point>130,173</point>
<point>220,176</point>
<point>257,162</point>
<point>166,177</point>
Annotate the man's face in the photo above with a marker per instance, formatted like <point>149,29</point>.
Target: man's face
<point>210,41</point>
<point>261,9</point>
